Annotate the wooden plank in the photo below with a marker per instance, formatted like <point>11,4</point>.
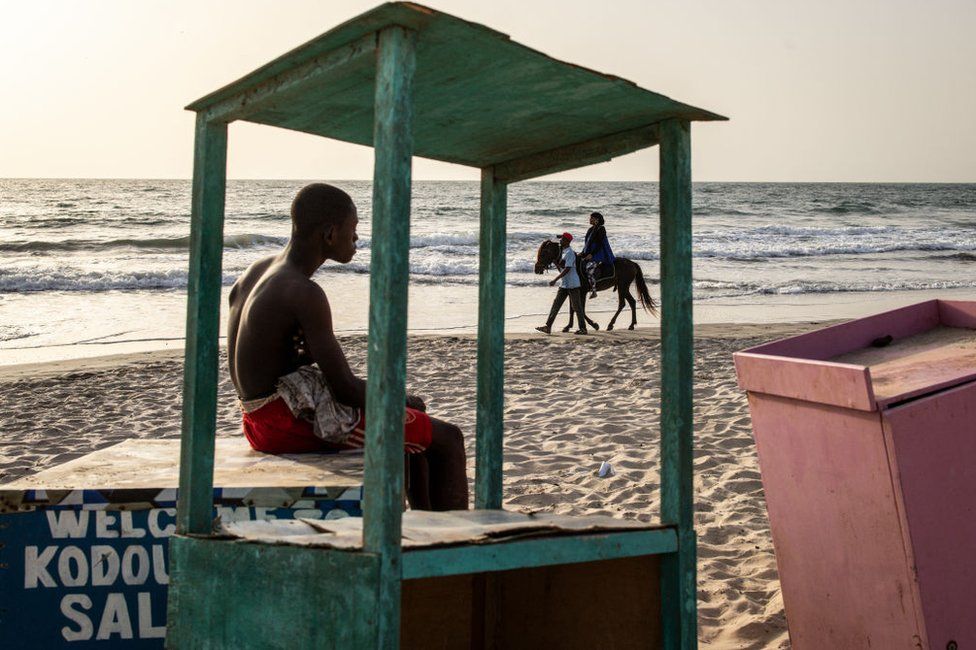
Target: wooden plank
<point>577,155</point>
<point>677,368</point>
<point>138,464</point>
<point>292,82</point>
<point>230,595</point>
<point>930,444</point>
<point>564,549</point>
<point>829,342</point>
<point>387,355</point>
<point>593,605</point>
<point>491,343</point>
<point>194,508</point>
<point>836,524</point>
<point>825,382</point>
<point>601,604</point>
<point>957,313</point>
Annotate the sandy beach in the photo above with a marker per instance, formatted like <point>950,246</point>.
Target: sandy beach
<point>571,403</point>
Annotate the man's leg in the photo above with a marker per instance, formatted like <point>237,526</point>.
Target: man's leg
<point>576,305</point>
<point>418,487</point>
<point>447,469</point>
<point>557,304</point>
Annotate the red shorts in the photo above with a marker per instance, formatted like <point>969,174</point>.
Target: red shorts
<point>274,430</point>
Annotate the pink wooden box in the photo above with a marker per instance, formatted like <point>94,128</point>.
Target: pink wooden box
<point>868,458</point>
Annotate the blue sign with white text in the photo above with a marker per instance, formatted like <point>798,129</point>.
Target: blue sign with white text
<point>76,577</point>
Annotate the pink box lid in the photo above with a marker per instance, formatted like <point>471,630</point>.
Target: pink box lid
<point>932,346</point>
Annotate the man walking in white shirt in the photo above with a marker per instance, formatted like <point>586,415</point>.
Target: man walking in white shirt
<point>569,285</point>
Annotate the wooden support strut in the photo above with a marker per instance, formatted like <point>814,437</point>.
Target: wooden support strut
<point>195,502</point>
<point>491,343</point>
<point>677,364</point>
<point>387,353</point>
<point>576,155</point>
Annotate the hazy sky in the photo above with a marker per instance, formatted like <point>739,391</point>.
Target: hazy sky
<point>816,91</point>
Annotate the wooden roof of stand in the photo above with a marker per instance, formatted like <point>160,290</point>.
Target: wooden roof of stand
<point>480,99</point>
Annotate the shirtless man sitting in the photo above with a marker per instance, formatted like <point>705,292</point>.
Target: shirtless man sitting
<point>280,324</point>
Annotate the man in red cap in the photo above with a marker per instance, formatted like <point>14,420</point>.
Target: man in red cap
<point>569,285</point>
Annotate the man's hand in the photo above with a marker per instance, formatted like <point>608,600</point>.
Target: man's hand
<point>552,283</point>
<point>416,403</point>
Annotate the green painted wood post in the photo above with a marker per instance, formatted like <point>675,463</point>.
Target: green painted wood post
<point>195,504</point>
<point>491,342</point>
<point>679,593</point>
<point>387,354</point>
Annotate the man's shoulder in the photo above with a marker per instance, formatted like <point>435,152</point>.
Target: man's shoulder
<point>292,281</point>
<point>271,280</point>
<point>254,272</point>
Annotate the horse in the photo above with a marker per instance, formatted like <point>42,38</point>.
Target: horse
<point>625,272</point>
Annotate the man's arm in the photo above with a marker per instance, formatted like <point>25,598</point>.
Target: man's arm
<point>318,341</point>
<point>559,277</point>
<point>315,318</point>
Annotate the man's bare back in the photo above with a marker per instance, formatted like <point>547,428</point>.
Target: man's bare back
<point>263,327</point>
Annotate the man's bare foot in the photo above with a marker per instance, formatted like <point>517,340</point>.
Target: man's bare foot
<point>544,329</point>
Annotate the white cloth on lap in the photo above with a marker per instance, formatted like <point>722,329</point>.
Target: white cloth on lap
<point>310,398</point>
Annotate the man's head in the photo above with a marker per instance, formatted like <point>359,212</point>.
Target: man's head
<point>325,218</point>
<point>564,239</point>
<point>596,219</point>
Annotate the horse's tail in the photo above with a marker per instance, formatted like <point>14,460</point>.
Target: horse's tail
<point>645,296</point>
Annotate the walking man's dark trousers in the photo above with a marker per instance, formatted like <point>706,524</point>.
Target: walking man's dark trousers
<point>575,304</point>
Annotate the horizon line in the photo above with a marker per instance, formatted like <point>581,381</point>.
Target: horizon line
<point>458,180</point>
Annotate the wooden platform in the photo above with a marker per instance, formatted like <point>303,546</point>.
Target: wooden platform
<point>140,474</point>
<point>156,464</point>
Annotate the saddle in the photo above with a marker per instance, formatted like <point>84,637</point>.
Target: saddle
<point>606,276</point>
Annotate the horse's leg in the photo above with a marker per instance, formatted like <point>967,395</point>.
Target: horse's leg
<point>572,313</point>
<point>620,308</point>
<point>582,314</point>
<point>592,323</point>
<point>633,309</point>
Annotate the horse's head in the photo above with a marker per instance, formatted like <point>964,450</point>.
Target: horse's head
<point>547,256</point>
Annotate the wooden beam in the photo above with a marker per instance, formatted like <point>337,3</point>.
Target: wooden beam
<point>195,503</point>
<point>677,366</point>
<point>276,89</point>
<point>491,343</point>
<point>545,551</point>
<point>387,354</point>
<point>577,155</point>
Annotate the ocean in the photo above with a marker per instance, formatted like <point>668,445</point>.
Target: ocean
<point>97,266</point>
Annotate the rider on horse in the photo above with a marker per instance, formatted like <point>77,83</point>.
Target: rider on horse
<point>596,250</point>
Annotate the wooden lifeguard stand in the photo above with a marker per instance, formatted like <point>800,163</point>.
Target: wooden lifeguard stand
<point>409,81</point>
